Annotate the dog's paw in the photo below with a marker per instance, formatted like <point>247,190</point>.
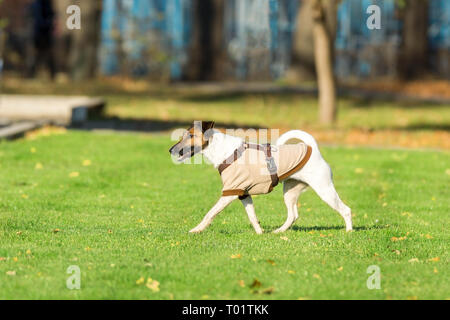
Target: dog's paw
<point>195,230</point>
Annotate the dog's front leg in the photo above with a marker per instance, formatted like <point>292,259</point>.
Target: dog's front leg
<point>248,205</point>
<point>218,207</point>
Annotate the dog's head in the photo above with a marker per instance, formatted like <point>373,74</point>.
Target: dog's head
<point>193,141</point>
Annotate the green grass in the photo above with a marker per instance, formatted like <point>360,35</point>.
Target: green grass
<point>128,214</point>
<point>156,101</point>
<point>280,111</point>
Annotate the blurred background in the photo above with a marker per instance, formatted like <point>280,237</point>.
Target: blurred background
<point>310,64</point>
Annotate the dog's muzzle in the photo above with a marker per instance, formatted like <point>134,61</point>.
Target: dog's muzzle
<point>182,154</point>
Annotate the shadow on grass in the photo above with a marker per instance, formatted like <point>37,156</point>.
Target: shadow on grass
<point>149,125</point>
<point>325,228</point>
<point>424,127</point>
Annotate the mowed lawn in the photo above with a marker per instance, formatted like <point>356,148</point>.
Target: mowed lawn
<point>116,206</point>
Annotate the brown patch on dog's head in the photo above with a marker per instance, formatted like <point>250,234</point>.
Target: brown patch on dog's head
<point>193,141</point>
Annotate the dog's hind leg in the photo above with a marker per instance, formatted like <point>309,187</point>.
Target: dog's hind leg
<point>218,207</point>
<point>321,181</point>
<point>292,190</point>
<point>250,209</point>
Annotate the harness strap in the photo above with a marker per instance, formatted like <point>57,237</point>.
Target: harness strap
<point>271,165</point>
<point>266,148</point>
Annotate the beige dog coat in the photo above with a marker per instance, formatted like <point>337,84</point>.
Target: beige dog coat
<point>248,173</point>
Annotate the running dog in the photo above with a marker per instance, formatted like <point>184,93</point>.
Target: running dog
<point>247,169</point>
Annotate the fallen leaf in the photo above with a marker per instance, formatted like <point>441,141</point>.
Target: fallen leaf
<point>38,166</point>
<point>10,273</point>
<point>406,214</point>
<point>269,290</point>
<point>413,260</point>
<point>140,281</point>
<point>152,285</point>
<point>87,163</point>
<point>340,268</point>
<point>236,256</point>
<point>255,284</point>
<point>315,275</point>
<point>291,271</point>
<point>271,262</point>
<point>284,238</point>
<point>242,283</point>
<point>435,259</point>
<point>74,174</point>
<point>398,238</point>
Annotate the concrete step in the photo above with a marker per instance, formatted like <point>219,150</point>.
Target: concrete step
<point>60,110</point>
<point>17,130</point>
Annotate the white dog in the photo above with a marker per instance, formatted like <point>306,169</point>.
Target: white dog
<point>224,150</point>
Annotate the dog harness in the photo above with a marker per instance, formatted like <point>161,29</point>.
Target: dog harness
<point>256,169</point>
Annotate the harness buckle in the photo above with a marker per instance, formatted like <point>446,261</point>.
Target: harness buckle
<point>271,166</point>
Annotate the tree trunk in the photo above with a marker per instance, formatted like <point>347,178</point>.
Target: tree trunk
<point>413,59</point>
<point>303,60</point>
<point>207,49</point>
<point>85,42</point>
<point>323,54</point>
<point>63,39</point>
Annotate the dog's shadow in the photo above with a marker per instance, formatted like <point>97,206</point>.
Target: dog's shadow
<point>325,228</point>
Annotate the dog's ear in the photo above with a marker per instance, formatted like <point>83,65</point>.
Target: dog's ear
<point>206,125</point>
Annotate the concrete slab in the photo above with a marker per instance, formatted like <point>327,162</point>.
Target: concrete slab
<point>17,130</point>
<point>61,110</point>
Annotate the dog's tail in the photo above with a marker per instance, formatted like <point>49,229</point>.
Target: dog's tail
<point>296,136</point>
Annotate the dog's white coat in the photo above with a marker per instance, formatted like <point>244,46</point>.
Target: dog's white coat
<point>315,174</point>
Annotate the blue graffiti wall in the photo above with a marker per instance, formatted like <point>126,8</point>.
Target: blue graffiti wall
<point>141,37</point>
<point>151,37</point>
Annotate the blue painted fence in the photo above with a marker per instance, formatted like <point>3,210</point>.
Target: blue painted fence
<point>141,37</point>
<point>151,37</point>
